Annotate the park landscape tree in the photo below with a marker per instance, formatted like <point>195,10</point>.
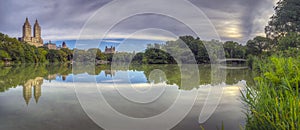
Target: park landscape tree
<point>277,81</point>
<point>257,45</point>
<point>234,50</point>
<point>286,19</point>
<point>291,40</point>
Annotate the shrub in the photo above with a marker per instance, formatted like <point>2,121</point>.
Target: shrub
<point>274,102</point>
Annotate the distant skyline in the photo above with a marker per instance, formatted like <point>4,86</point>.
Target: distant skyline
<point>119,43</point>
<point>237,20</point>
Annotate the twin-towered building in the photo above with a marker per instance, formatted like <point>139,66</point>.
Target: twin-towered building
<point>36,39</point>
<point>110,50</point>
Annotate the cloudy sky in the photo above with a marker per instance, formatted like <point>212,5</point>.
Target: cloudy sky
<point>237,20</point>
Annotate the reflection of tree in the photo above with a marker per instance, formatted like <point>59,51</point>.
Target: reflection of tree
<point>31,76</point>
<point>90,68</point>
<point>173,74</point>
<point>235,75</point>
<point>18,75</point>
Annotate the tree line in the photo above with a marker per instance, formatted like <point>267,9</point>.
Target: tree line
<point>18,52</point>
<point>277,73</point>
<point>258,46</point>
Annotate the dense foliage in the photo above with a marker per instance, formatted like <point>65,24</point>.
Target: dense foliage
<point>18,52</point>
<point>286,19</point>
<point>274,102</point>
<point>18,75</point>
<point>187,49</point>
<point>258,46</point>
<point>14,76</point>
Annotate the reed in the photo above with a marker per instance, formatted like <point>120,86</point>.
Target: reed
<point>274,101</point>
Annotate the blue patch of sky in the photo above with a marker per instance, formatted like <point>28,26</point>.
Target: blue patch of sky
<point>129,76</point>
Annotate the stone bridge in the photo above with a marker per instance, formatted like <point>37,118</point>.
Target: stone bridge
<point>232,60</point>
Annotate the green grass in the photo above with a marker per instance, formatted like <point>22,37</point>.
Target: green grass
<point>274,102</point>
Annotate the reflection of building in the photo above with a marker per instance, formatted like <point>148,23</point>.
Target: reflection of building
<point>51,77</point>
<point>110,50</point>
<point>110,72</point>
<point>64,77</point>
<point>36,40</point>
<point>27,89</point>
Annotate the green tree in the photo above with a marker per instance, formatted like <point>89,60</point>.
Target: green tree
<point>234,50</point>
<point>157,56</point>
<point>62,56</point>
<point>286,19</point>
<point>56,56</point>
<point>291,40</point>
<point>22,52</point>
<point>68,52</point>
<point>41,53</point>
<point>138,58</point>
<point>4,54</point>
<point>257,45</point>
<point>229,48</point>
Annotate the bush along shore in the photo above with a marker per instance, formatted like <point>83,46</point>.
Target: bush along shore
<point>274,102</point>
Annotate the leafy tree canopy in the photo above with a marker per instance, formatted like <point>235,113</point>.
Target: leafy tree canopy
<point>286,19</point>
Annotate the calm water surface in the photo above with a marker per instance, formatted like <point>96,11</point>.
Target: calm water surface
<point>35,97</point>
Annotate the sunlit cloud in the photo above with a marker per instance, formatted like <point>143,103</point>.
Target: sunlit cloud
<point>231,29</point>
<point>233,32</point>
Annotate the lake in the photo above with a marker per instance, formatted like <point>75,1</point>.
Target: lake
<point>62,96</point>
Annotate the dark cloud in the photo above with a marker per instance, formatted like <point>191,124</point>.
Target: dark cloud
<point>234,19</point>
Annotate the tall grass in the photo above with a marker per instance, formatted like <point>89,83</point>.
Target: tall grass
<point>274,102</point>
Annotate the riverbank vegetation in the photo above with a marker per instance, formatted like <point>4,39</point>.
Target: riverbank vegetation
<point>194,49</point>
<point>18,74</point>
<point>274,101</point>
<point>14,51</point>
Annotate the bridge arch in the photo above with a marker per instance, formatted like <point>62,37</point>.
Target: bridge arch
<point>232,60</point>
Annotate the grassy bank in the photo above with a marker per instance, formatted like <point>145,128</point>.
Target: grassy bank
<point>274,101</point>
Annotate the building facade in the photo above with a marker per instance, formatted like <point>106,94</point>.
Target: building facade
<point>110,50</point>
<point>50,46</point>
<point>36,39</point>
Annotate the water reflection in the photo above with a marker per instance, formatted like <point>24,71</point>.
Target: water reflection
<point>50,86</point>
<point>32,76</point>
<point>36,84</point>
<point>110,73</point>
